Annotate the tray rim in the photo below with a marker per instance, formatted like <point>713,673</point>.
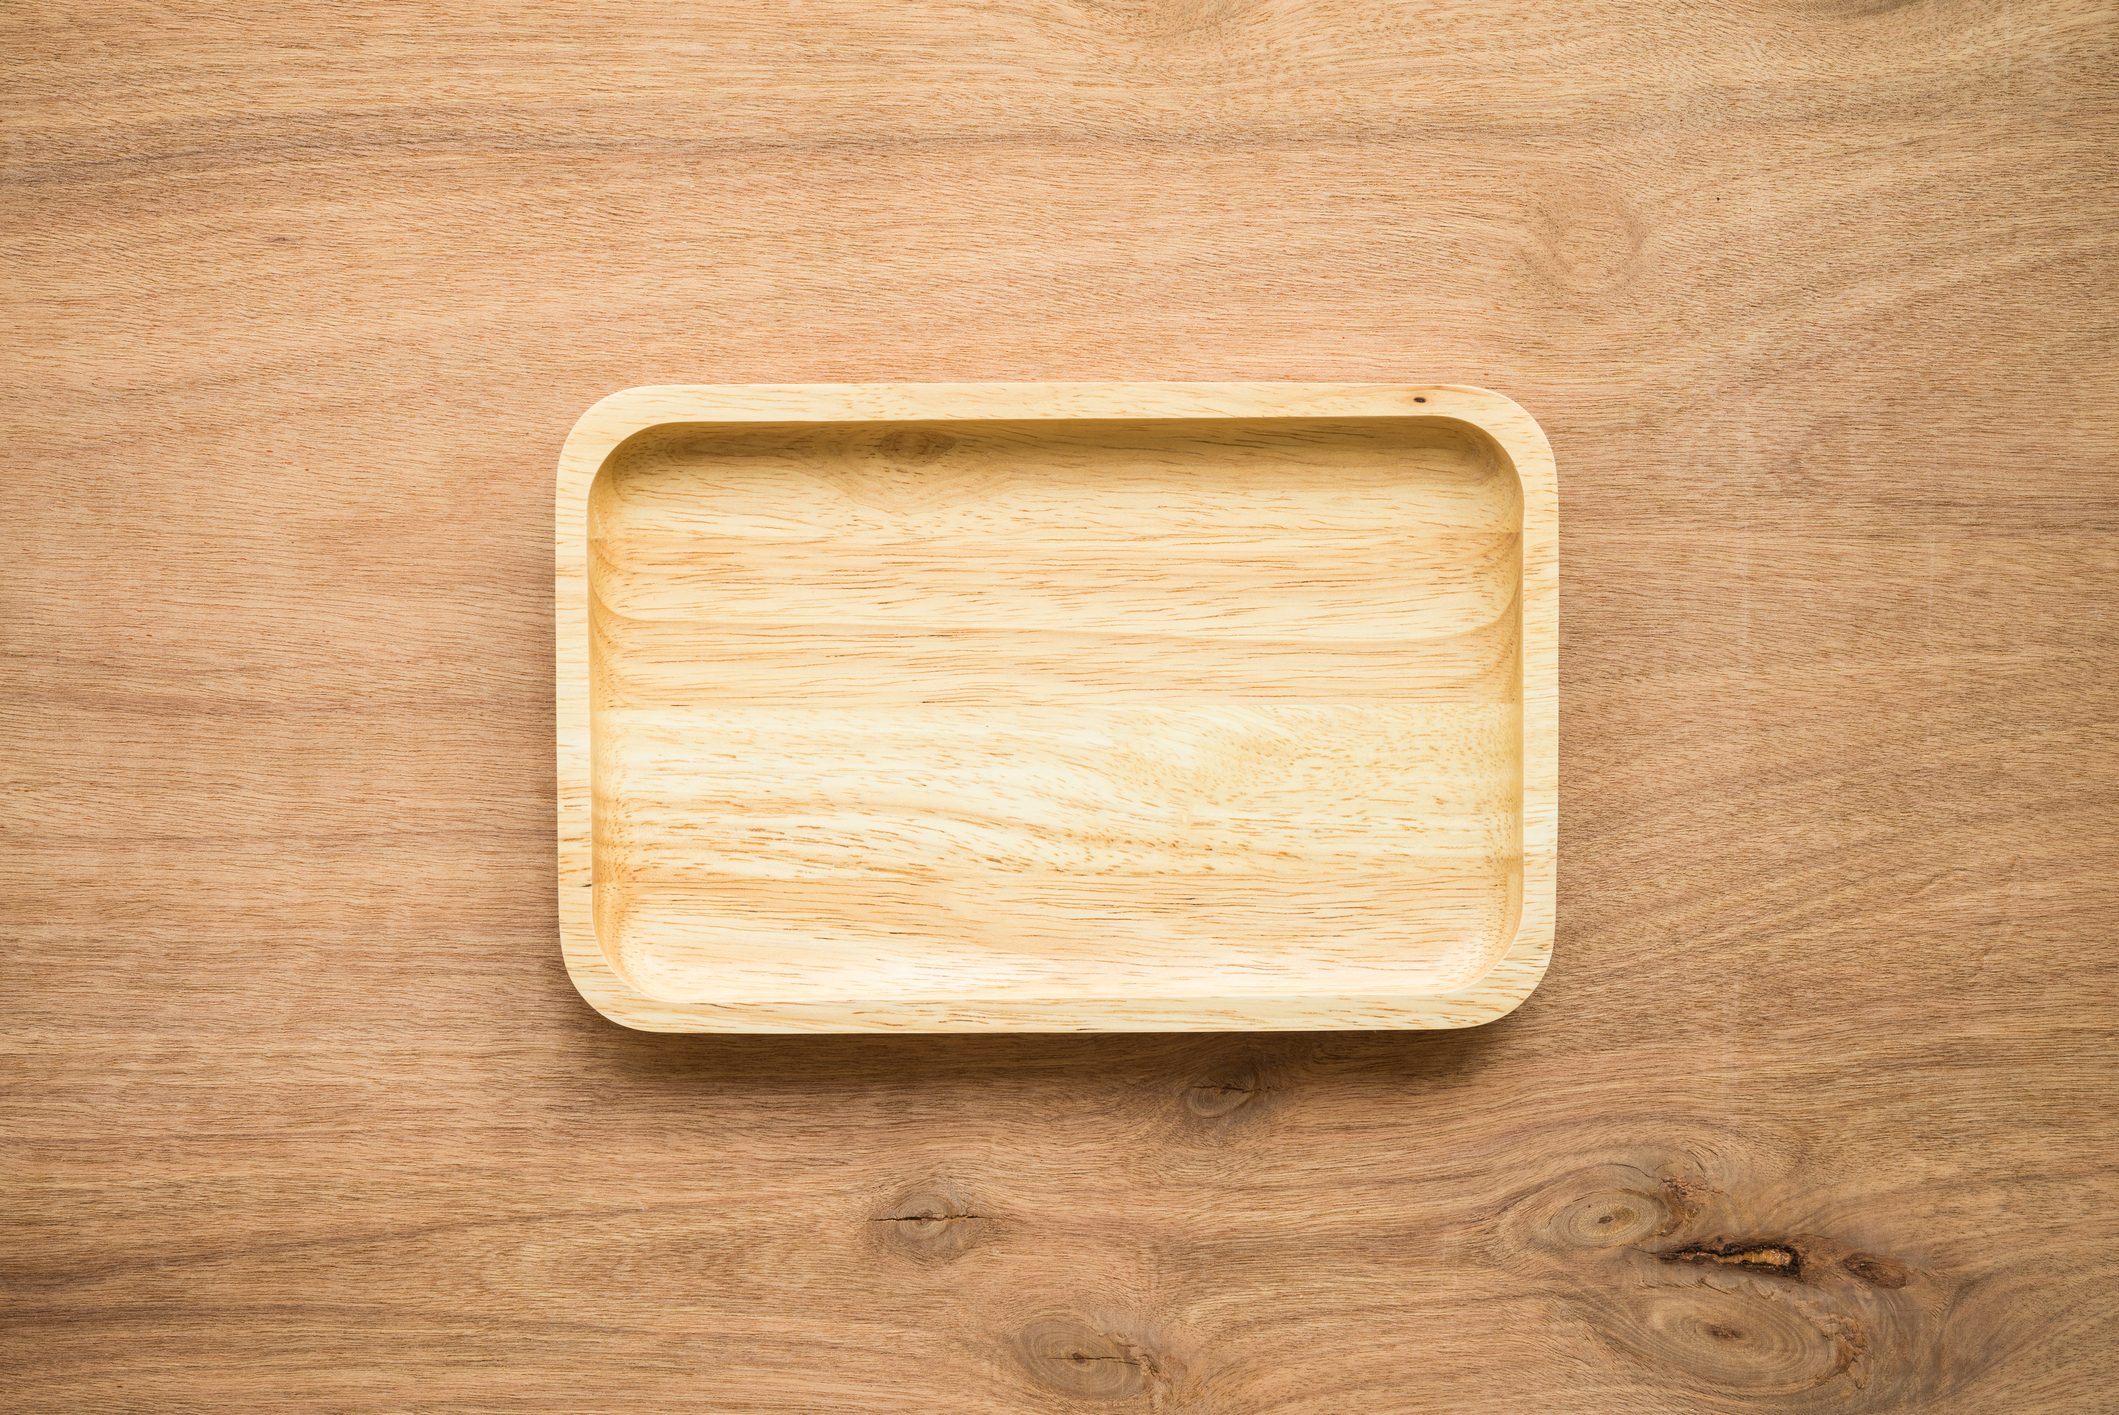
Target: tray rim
<point>614,419</point>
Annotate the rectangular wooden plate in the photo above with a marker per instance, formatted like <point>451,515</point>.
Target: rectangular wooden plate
<point>1056,707</point>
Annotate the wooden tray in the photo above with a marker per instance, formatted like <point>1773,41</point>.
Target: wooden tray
<point>956,707</point>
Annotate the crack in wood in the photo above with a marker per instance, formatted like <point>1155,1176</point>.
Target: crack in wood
<point>1779,1259</point>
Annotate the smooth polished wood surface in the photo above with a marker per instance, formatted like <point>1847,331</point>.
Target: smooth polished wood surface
<point>1812,1111</point>
<point>1050,707</point>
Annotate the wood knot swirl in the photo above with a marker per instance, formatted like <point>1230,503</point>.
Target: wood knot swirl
<point>1227,1091</point>
<point>933,1223</point>
<point>1095,1360</point>
<point>1586,241</point>
<point>913,445</point>
<point>1876,1271</point>
<point>1683,1270</point>
<point>1734,1342</point>
<point>1608,1218</point>
<point>1609,1208</point>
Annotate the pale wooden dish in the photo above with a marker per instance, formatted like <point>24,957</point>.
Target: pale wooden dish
<point>955,707</point>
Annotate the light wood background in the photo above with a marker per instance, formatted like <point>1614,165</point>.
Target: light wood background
<point>1814,1109</point>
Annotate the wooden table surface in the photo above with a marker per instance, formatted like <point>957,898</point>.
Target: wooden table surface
<point>1814,1109</point>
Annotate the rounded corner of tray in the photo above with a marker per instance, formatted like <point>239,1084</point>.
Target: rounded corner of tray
<point>1511,980</point>
<point>606,423</point>
<point>611,998</point>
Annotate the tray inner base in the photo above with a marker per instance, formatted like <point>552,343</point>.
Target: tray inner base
<point>1186,708</point>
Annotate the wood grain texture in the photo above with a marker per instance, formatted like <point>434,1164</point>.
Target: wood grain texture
<point>1812,1112</point>
<point>1056,706</point>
